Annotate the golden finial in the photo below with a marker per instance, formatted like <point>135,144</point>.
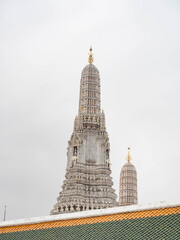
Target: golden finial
<point>128,156</point>
<point>102,110</point>
<point>80,108</point>
<point>90,60</point>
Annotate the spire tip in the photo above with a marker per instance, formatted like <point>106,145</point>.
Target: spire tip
<point>91,59</point>
<point>128,156</point>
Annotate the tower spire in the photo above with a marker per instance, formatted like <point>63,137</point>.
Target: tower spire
<point>128,183</point>
<point>128,158</point>
<point>90,99</point>
<point>88,153</point>
<point>91,59</point>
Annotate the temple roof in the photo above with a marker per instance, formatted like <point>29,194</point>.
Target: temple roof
<point>160,221</point>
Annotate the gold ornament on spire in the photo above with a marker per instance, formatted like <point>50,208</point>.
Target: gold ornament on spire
<point>128,158</point>
<point>91,59</point>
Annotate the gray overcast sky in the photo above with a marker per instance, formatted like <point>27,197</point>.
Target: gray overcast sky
<point>44,46</point>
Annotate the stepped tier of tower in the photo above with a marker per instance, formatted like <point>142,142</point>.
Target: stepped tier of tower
<point>87,184</point>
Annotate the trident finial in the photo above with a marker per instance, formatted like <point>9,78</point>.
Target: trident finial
<point>90,60</point>
<point>128,156</point>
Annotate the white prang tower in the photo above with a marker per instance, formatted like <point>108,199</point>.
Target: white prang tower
<point>87,184</point>
<point>128,184</point>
